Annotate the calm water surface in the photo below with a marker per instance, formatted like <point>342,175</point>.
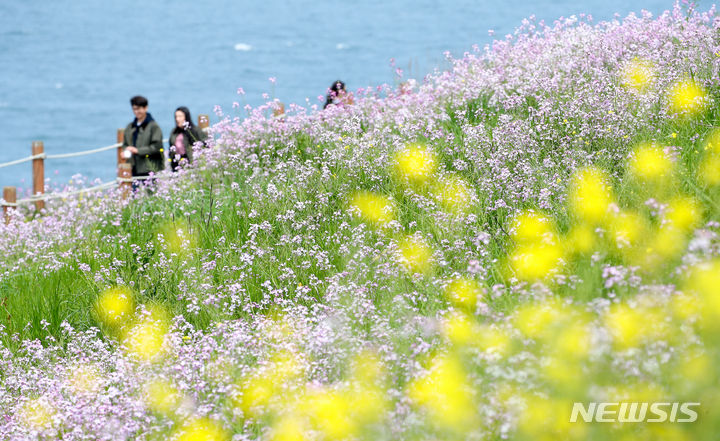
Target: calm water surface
<point>69,67</point>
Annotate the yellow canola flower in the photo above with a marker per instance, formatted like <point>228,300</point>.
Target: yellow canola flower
<point>537,320</point>
<point>581,239</point>
<point>161,396</point>
<point>464,292</point>
<point>115,305</point>
<point>666,243</point>
<point>536,261</point>
<point>685,306</point>
<point>289,428</point>
<point>709,169</point>
<point>632,326</point>
<point>145,340</point>
<point>627,229</point>
<point>415,254</point>
<point>572,341</point>
<point>37,414</point>
<point>590,195</point>
<point>373,208</point>
<point>650,163</point>
<point>367,368</point>
<point>704,280</point>
<point>445,394</point>
<point>284,367</point>
<point>491,339</point>
<point>712,141</point>
<point>454,193</point>
<point>415,164</point>
<point>684,213</point>
<point>369,404</point>
<point>687,98</point>
<point>460,329</point>
<point>201,429</point>
<point>562,373</point>
<point>330,412</point>
<point>366,393</point>
<point>528,227</point>
<point>548,419</point>
<point>256,395</point>
<point>696,368</point>
<point>84,379</point>
<point>177,237</point>
<point>637,75</point>
<point>640,392</point>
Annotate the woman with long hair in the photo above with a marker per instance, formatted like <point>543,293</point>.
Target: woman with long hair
<point>337,95</point>
<point>182,138</point>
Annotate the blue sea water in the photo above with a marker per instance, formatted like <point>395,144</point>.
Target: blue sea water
<point>69,67</point>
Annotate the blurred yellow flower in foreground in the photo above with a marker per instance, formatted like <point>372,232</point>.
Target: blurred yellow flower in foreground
<point>627,229</point>
<point>637,74</point>
<point>464,292</point>
<point>161,396</point>
<point>590,195</point>
<point>704,280</point>
<point>415,254</point>
<point>687,98</point>
<point>631,326</point>
<point>329,411</point>
<point>684,213</point>
<point>84,379</point>
<point>145,340</point>
<point>547,419</point>
<point>289,428</point>
<point>460,329</point>
<point>535,320</point>
<point>37,414</point>
<point>445,394</point>
<point>491,339</point>
<point>255,395</point>
<point>581,239</point>
<point>536,261</point>
<point>177,237</point>
<point>415,163</point>
<point>202,429</point>
<point>712,141</point>
<point>650,163</point>
<point>709,169</point>
<point>454,193</point>
<point>529,226</point>
<point>373,208</point>
<point>115,305</point>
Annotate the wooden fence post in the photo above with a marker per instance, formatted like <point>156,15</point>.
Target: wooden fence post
<point>125,172</point>
<point>38,168</point>
<point>203,122</point>
<point>120,139</point>
<point>10,196</point>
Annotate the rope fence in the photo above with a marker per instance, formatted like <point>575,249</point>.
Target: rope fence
<point>124,173</point>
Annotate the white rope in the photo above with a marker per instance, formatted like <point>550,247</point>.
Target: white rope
<point>45,197</point>
<point>104,186</point>
<point>20,161</point>
<point>65,155</point>
<point>143,178</point>
<point>83,153</point>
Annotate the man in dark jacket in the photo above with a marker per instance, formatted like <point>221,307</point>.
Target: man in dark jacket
<point>143,140</point>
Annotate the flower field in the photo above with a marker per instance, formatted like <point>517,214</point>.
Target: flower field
<point>462,258</point>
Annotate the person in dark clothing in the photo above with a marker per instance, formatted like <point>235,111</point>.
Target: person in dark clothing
<point>182,138</point>
<point>337,95</point>
<point>143,141</point>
